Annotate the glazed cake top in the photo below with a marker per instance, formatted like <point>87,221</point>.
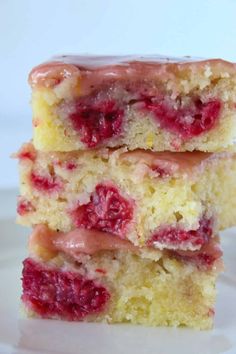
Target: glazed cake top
<point>102,68</point>
<point>98,61</point>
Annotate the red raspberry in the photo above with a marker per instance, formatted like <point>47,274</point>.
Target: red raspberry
<point>107,211</point>
<point>175,236</point>
<point>188,121</point>
<point>97,122</point>
<point>52,293</point>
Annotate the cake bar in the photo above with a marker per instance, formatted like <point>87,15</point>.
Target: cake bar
<point>156,199</point>
<point>118,282</point>
<point>148,102</point>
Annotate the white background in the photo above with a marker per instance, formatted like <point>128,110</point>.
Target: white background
<point>32,31</point>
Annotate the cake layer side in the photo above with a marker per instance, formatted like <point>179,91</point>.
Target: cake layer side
<point>119,286</point>
<point>159,105</point>
<point>161,200</point>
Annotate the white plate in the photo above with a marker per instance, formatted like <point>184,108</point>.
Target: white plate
<point>26,336</point>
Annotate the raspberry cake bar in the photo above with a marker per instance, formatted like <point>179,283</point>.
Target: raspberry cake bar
<point>156,199</point>
<point>140,102</point>
<point>87,275</point>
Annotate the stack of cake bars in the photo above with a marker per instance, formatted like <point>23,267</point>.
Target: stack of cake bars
<point>128,181</point>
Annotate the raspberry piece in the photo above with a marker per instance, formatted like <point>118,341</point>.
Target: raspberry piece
<point>188,120</point>
<point>52,293</point>
<point>97,122</point>
<point>99,270</point>
<point>27,152</point>
<point>26,155</point>
<point>174,236</point>
<point>201,258</point>
<point>24,206</point>
<point>107,211</point>
<point>160,171</point>
<point>206,256</point>
<point>70,165</point>
<point>45,183</point>
<point>206,259</point>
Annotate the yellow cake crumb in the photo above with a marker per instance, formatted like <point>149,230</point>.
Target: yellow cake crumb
<point>178,201</point>
<point>143,291</point>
